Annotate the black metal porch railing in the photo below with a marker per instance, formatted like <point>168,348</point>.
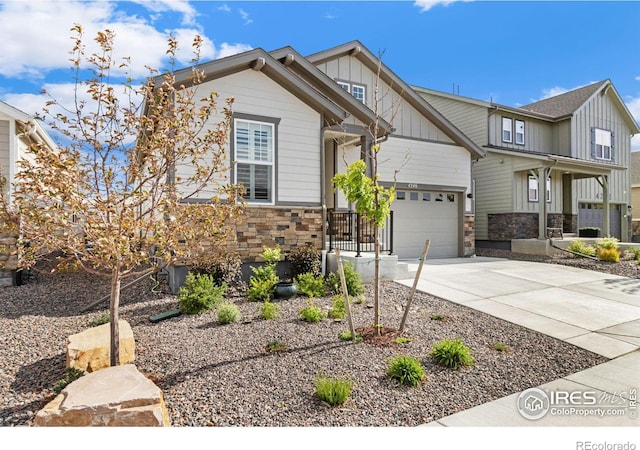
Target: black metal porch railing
<point>350,232</point>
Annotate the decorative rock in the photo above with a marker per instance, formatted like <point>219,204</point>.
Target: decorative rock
<point>116,396</point>
<point>90,350</point>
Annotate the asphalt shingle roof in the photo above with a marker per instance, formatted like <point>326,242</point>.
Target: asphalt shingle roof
<point>564,104</point>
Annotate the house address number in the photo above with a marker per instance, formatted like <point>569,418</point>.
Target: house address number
<point>412,186</point>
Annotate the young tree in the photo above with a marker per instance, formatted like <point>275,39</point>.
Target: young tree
<point>108,198</point>
<point>372,200</point>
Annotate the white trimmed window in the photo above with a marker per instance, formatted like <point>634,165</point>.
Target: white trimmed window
<point>345,86</point>
<point>603,141</point>
<point>254,154</point>
<point>507,125</point>
<point>519,132</point>
<point>358,92</point>
<point>533,189</point>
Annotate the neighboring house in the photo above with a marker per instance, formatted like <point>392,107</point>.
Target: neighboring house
<point>298,120</point>
<point>635,196</point>
<point>17,130</point>
<point>557,163</point>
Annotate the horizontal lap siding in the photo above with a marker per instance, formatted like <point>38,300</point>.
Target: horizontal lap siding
<point>4,147</point>
<point>298,147</point>
<point>493,189</point>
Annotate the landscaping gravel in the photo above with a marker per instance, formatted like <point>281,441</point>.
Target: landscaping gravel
<point>223,375</point>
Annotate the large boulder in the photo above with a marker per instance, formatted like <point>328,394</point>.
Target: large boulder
<point>116,396</point>
<point>90,350</point>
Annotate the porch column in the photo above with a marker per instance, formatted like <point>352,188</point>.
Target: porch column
<point>606,225</point>
<point>542,203</point>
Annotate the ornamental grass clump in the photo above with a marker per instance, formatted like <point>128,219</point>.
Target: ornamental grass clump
<point>334,391</point>
<point>452,353</point>
<point>311,313</point>
<point>269,311</point>
<point>200,293</point>
<point>582,248</point>
<point>228,313</point>
<point>607,249</point>
<point>406,370</point>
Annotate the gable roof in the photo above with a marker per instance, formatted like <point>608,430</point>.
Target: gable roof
<point>29,125</point>
<point>565,104</point>
<point>326,86</point>
<point>260,60</point>
<point>364,55</point>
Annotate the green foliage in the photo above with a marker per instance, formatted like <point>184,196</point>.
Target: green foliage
<point>406,370</point>
<point>305,260</point>
<point>276,346</point>
<point>636,253</point>
<point>355,286</point>
<point>334,391</point>
<point>582,248</point>
<point>607,249</point>
<point>310,285</point>
<point>228,313</point>
<point>452,353</point>
<point>438,317</point>
<point>339,307</point>
<point>269,311</point>
<point>346,336</point>
<point>70,375</point>
<point>403,340</point>
<point>500,347</point>
<point>262,290</point>
<point>263,281</point>
<point>311,313</point>
<point>200,293</point>
<point>372,200</point>
<point>101,320</point>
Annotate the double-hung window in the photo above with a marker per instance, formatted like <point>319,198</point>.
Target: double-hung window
<point>519,134</point>
<point>357,90</point>
<point>507,124</point>
<point>533,189</point>
<point>254,154</point>
<point>602,144</point>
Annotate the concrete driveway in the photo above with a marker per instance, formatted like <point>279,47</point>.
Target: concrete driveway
<point>598,312</point>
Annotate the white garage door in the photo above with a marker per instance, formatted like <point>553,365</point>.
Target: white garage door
<point>422,215</point>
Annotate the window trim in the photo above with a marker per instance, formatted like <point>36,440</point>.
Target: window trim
<point>600,155</point>
<point>508,129</point>
<point>531,178</point>
<point>515,132</point>
<point>349,87</point>
<point>273,123</point>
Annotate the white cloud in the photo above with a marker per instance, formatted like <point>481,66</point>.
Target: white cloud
<point>232,49</point>
<point>552,92</point>
<point>32,48</point>
<point>638,78</point>
<point>426,5</point>
<point>634,108</point>
<point>224,8</point>
<point>245,17</point>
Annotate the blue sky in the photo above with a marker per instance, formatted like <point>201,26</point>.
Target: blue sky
<point>511,52</point>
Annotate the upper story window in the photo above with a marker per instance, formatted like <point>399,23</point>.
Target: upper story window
<point>507,124</point>
<point>519,132</point>
<point>533,189</point>
<point>254,154</point>
<point>357,90</point>
<point>602,144</point>
<point>512,131</point>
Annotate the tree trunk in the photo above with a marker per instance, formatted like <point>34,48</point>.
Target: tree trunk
<point>376,279</point>
<point>114,306</point>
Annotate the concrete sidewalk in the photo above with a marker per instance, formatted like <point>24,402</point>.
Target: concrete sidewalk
<point>592,310</point>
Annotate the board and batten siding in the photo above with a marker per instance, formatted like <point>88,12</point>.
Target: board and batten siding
<point>299,132</point>
<point>538,135</point>
<point>601,112</point>
<point>5,144</point>
<point>493,177</point>
<point>406,120</point>
<point>469,118</point>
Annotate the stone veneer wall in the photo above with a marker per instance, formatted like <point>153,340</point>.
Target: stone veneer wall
<point>570,224</point>
<point>289,227</point>
<point>469,235</point>
<point>508,226</point>
<point>8,260</point>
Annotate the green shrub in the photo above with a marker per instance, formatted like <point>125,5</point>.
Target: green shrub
<point>334,391</point>
<point>355,286</point>
<point>500,347</point>
<point>70,375</point>
<point>200,293</point>
<point>635,251</point>
<point>452,353</point>
<point>406,370</point>
<point>305,259</point>
<point>262,290</point>
<point>582,248</point>
<point>403,340</point>
<point>269,311</point>
<point>310,285</point>
<point>438,317</point>
<point>276,346</point>
<point>339,307</point>
<point>101,320</point>
<point>346,336</point>
<point>311,313</point>
<point>223,267</point>
<point>228,313</point>
<point>607,249</point>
